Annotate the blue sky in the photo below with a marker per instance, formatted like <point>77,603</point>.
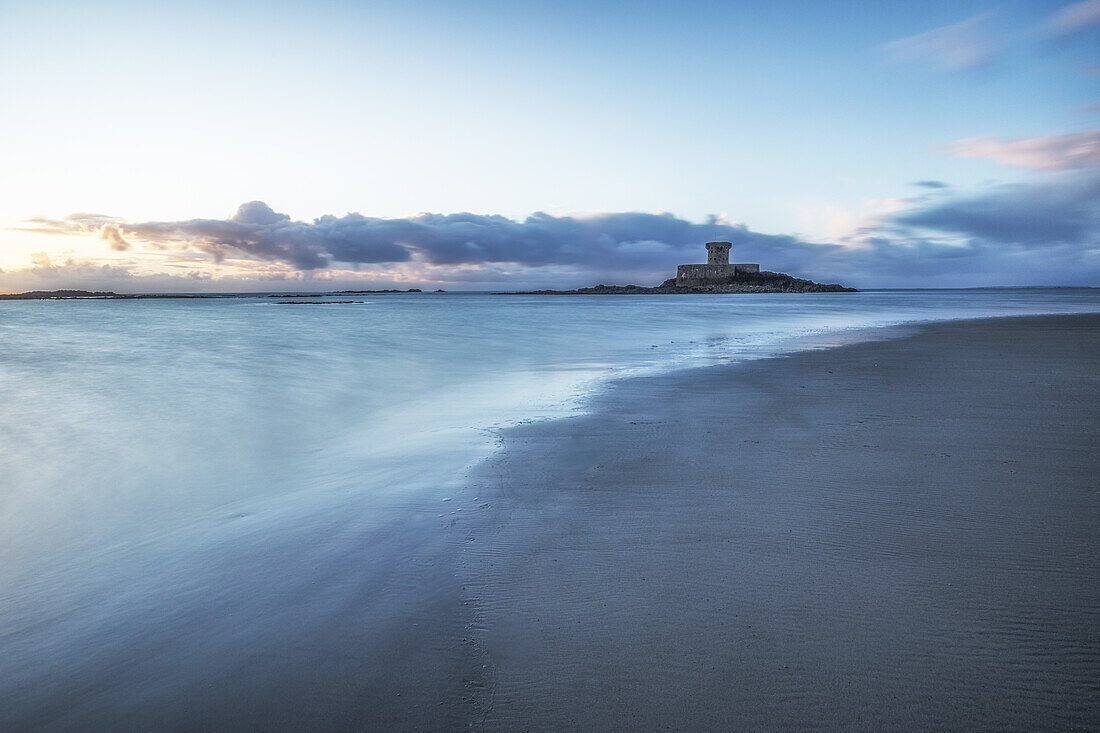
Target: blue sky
<point>808,121</point>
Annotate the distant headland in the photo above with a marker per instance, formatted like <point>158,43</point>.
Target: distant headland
<point>716,276</point>
<point>108,295</point>
<point>58,294</point>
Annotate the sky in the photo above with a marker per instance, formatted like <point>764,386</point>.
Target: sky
<point>248,146</point>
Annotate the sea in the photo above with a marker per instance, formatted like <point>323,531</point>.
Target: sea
<point>182,477</point>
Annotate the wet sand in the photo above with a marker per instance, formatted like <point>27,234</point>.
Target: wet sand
<point>897,535</point>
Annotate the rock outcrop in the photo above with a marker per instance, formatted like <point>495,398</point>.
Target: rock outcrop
<point>758,282</point>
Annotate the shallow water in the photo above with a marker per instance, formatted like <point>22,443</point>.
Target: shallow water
<point>190,478</point>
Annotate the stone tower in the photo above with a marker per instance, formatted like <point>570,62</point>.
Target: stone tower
<point>718,253</point>
<point>717,271</point>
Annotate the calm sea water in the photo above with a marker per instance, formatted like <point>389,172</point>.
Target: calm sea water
<point>164,455</point>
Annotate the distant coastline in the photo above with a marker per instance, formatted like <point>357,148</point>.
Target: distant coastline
<point>109,295</point>
<point>759,282</point>
<point>58,295</point>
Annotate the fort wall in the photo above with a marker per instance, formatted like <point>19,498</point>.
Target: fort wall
<point>691,275</point>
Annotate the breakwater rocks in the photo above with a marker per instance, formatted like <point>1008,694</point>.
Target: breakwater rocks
<point>759,282</point>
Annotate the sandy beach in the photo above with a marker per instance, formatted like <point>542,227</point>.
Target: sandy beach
<point>677,366</point>
<point>896,535</point>
<point>893,535</point>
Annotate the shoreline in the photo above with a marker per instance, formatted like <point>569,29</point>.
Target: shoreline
<point>775,543</point>
<point>852,541</point>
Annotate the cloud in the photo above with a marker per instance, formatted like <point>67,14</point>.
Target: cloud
<point>1063,211</point>
<point>957,47</point>
<point>256,232</point>
<point>80,223</point>
<point>259,213</point>
<point>931,184</point>
<point>112,234</point>
<point>1050,152</point>
<point>82,274</point>
<point>253,232</point>
<point>972,43</point>
<point>1043,232</point>
<point>1074,18</point>
<point>1046,232</point>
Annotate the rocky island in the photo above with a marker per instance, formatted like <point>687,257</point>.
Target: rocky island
<point>760,282</point>
<point>716,276</point>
